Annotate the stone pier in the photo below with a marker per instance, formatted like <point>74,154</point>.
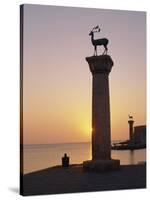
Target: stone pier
<point>100,67</point>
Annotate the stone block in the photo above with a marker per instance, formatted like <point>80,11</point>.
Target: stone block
<point>101,165</point>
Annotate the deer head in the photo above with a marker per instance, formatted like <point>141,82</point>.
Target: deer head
<point>94,30</point>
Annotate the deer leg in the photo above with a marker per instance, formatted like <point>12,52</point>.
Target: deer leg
<point>95,51</point>
<point>104,52</point>
<point>106,49</point>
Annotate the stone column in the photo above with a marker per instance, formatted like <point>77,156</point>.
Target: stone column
<point>100,67</point>
<point>130,122</point>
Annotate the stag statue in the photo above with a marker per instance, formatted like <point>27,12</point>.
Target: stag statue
<point>130,117</point>
<point>98,42</point>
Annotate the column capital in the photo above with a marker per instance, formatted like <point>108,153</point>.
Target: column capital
<point>100,64</point>
<point>130,121</point>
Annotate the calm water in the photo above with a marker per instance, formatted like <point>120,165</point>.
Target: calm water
<point>38,157</point>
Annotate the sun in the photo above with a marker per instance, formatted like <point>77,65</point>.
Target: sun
<point>87,130</point>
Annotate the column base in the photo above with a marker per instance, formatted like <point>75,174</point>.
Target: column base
<point>101,165</point>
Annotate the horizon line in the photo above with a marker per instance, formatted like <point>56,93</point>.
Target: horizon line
<point>63,143</point>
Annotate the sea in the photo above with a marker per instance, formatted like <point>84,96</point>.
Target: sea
<point>41,156</point>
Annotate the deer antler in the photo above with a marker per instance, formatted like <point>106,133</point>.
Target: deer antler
<point>96,28</point>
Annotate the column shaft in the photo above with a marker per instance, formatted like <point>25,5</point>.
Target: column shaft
<point>101,148</point>
<point>100,67</point>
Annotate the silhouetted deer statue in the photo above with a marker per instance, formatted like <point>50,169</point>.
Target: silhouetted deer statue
<point>130,117</point>
<point>98,42</point>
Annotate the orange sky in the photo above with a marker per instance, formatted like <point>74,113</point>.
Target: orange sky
<point>57,81</point>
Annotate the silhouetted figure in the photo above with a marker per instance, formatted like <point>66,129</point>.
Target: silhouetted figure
<point>98,42</point>
<point>65,161</point>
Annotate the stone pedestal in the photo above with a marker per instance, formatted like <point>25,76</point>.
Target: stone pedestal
<point>100,67</point>
<point>101,165</point>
